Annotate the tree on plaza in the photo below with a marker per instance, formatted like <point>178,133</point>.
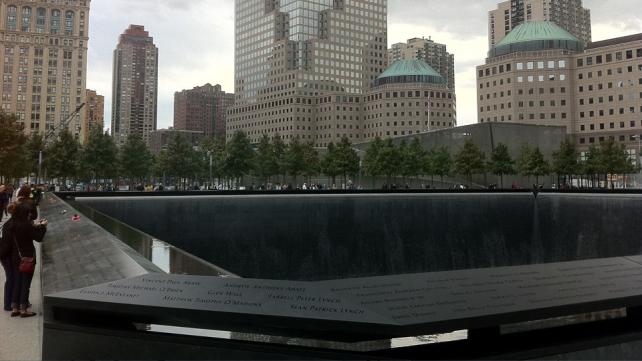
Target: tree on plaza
<point>428,166</point>
<point>179,159</point>
<point>412,159</point>
<point>470,160</point>
<point>371,162</point>
<point>347,159</point>
<point>295,160</point>
<point>135,159</point>
<point>501,163</point>
<point>62,157</point>
<point>442,162</point>
<point>35,145</point>
<point>199,165</point>
<point>265,163</point>
<point>216,147</point>
<point>311,160</point>
<point>330,164</point>
<point>524,166</point>
<point>240,157</point>
<point>539,166</point>
<point>160,166</point>
<point>615,159</point>
<point>389,159</point>
<point>99,157</point>
<point>593,165</point>
<point>12,147</point>
<point>280,150</point>
<point>566,160</point>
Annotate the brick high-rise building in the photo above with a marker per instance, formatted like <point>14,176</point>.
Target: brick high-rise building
<point>435,54</point>
<point>44,52</point>
<point>202,109</point>
<point>290,53</point>
<point>135,85</point>
<point>94,112</point>
<point>568,14</point>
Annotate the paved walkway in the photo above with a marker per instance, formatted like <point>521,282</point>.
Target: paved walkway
<point>21,339</point>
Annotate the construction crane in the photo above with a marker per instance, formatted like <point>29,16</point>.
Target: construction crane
<point>63,124</point>
<point>52,133</point>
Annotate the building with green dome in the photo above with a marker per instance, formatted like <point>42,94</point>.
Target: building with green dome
<point>410,97</point>
<point>537,36</point>
<point>409,71</point>
<point>540,74</point>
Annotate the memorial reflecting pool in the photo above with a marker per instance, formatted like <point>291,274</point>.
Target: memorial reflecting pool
<point>319,237</point>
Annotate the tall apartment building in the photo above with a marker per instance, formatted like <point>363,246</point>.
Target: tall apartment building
<point>135,85</point>
<point>203,109</point>
<point>44,47</point>
<point>94,112</point>
<point>435,54</point>
<point>540,74</point>
<point>290,53</point>
<point>568,14</point>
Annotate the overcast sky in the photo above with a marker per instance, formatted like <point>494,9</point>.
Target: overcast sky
<point>196,40</point>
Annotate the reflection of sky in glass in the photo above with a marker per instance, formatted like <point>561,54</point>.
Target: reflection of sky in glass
<point>190,331</point>
<point>304,17</point>
<point>304,21</point>
<point>161,255</point>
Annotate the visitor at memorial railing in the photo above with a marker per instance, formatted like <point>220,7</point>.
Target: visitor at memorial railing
<point>9,192</point>
<point>6,259</point>
<point>24,196</point>
<point>4,201</point>
<point>23,231</point>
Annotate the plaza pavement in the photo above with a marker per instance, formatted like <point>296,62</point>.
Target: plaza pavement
<point>21,339</point>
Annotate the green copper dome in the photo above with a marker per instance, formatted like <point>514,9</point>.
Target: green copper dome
<point>409,71</point>
<point>535,36</point>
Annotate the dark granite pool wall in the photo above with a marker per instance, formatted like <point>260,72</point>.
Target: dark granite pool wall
<point>325,237</point>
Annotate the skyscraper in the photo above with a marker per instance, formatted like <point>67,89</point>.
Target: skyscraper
<point>202,109</point>
<point>94,112</point>
<point>135,85</point>
<point>568,14</point>
<point>435,54</point>
<point>44,47</point>
<point>289,51</point>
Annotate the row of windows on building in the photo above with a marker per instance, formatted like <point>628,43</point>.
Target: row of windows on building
<point>609,85</point>
<point>56,26</point>
<point>610,98</point>
<point>531,65</point>
<point>600,59</point>
<point>609,72</point>
<point>611,125</point>
<point>622,138</point>
<point>523,117</point>
<point>611,111</point>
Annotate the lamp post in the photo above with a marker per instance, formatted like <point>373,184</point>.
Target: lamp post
<point>638,156</point>
<point>209,153</point>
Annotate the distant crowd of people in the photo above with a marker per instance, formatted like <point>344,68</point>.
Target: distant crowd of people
<point>17,251</point>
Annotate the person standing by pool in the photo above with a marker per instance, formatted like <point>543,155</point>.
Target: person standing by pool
<point>24,232</point>
<point>4,201</point>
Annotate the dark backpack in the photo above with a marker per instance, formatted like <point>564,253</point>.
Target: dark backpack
<point>6,241</point>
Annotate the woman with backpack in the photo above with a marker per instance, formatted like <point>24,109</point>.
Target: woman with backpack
<point>23,231</point>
